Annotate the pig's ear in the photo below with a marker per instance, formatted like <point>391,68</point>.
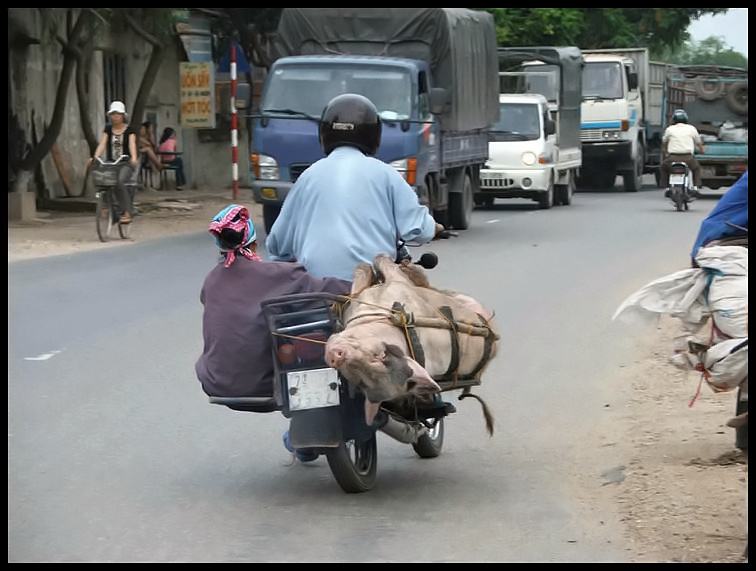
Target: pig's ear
<point>394,361</point>
<point>363,278</point>
<point>420,382</point>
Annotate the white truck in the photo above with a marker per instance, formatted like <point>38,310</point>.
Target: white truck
<point>534,150</point>
<point>622,116</point>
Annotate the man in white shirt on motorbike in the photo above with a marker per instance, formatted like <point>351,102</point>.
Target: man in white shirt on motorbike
<point>679,144</point>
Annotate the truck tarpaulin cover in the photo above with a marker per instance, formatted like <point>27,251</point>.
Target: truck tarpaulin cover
<point>458,44</point>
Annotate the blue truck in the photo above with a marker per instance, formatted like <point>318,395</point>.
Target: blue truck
<point>432,74</point>
<point>716,100</point>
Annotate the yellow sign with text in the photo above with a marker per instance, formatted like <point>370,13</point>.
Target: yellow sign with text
<point>197,84</point>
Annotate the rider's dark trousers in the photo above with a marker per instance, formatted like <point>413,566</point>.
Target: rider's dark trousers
<point>125,178</point>
<point>689,160</point>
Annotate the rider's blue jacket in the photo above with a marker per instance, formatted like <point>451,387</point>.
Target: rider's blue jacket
<point>730,211</point>
<point>345,209</point>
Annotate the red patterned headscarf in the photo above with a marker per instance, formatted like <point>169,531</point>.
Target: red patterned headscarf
<point>235,218</point>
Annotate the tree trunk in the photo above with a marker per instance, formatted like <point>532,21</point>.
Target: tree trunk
<point>153,66</point>
<point>38,152</point>
<point>21,183</point>
<point>83,63</point>
<point>145,87</point>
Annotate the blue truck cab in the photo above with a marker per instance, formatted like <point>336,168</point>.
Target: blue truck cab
<point>285,137</point>
<point>431,73</point>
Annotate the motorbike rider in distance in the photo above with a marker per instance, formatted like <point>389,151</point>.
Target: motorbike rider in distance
<point>679,142</point>
<point>348,207</point>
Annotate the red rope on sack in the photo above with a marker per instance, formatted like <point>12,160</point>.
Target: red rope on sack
<point>700,367</point>
<point>704,374</point>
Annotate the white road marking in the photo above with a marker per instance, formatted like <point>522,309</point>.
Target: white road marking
<point>492,221</point>
<point>43,356</point>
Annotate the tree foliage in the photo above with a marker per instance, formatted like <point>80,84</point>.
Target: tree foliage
<point>711,51</point>
<point>252,27</point>
<point>595,28</point>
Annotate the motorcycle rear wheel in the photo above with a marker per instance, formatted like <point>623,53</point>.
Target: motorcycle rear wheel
<point>354,465</point>
<point>678,199</point>
<point>429,444</point>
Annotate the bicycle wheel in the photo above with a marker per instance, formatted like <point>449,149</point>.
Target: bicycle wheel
<point>104,215</point>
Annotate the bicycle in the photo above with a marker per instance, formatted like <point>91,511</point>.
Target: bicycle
<point>107,211</point>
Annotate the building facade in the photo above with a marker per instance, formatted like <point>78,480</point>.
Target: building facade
<point>119,60</point>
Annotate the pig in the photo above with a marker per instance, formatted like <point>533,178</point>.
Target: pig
<point>372,353</point>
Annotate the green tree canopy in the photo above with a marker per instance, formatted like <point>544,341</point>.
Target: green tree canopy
<point>595,28</point>
<point>711,51</point>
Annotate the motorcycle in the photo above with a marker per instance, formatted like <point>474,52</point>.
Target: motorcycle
<point>326,413</point>
<point>679,185</point>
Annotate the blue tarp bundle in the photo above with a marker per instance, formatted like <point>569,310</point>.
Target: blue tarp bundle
<point>732,209</point>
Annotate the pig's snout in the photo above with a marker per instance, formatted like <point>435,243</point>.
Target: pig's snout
<point>335,357</point>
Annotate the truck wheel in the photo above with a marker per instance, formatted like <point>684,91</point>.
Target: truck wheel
<point>564,192</point>
<point>461,205</point>
<point>546,198</point>
<point>354,465</point>
<point>737,98</point>
<point>442,217</point>
<point>632,181</point>
<point>484,202</point>
<point>270,213</point>
<point>708,90</point>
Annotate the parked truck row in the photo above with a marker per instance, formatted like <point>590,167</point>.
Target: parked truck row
<point>466,122</point>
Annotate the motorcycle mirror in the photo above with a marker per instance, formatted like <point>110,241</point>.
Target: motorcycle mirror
<point>429,260</point>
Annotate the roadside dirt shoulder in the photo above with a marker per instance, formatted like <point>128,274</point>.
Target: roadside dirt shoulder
<point>683,490</point>
<point>57,233</point>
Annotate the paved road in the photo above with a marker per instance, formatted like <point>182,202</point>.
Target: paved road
<point>115,455</point>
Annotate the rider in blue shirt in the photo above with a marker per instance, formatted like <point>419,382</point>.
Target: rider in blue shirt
<point>349,206</point>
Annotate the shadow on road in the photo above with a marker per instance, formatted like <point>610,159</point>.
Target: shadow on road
<point>504,205</point>
<point>615,189</point>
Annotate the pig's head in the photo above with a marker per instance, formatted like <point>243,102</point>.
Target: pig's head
<point>380,370</point>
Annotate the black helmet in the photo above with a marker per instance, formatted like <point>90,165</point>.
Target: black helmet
<point>350,119</point>
<point>679,116</point>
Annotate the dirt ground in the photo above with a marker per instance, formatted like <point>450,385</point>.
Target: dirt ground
<point>683,490</point>
<point>163,214</point>
<point>684,493</point>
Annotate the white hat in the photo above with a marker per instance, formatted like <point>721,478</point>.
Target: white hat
<point>117,107</point>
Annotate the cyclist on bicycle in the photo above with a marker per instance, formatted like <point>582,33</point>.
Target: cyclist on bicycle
<point>116,140</point>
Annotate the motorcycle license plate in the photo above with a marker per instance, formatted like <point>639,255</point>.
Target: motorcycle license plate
<point>315,388</point>
<point>676,179</point>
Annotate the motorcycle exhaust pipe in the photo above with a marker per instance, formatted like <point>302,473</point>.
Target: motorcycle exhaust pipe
<point>402,431</point>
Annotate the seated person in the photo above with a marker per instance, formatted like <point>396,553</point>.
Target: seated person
<point>168,146</point>
<point>147,145</point>
<point>237,357</point>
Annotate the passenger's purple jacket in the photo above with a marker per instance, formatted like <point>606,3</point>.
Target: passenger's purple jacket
<point>237,357</point>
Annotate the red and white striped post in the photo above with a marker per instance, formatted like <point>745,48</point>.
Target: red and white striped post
<point>234,129</point>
